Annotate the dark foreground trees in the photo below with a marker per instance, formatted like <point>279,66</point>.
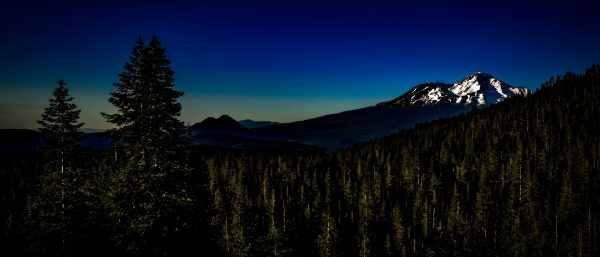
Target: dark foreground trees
<point>60,125</point>
<point>57,213</point>
<point>142,198</point>
<point>150,196</point>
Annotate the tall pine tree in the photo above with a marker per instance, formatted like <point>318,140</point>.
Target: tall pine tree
<point>55,213</point>
<point>149,197</point>
<point>60,126</point>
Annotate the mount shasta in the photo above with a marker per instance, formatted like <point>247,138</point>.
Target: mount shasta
<point>478,88</point>
<point>422,103</point>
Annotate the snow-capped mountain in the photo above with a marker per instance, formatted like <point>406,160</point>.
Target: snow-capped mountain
<point>426,102</point>
<point>478,89</point>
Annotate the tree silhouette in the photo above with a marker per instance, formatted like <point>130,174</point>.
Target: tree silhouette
<point>56,208</point>
<point>149,193</point>
<point>60,126</point>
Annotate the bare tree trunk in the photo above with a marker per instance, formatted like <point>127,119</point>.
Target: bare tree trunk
<point>227,234</point>
<point>283,208</point>
<point>556,233</point>
<point>62,197</point>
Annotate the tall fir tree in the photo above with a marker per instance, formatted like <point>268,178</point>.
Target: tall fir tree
<point>150,194</point>
<point>60,125</point>
<point>55,212</point>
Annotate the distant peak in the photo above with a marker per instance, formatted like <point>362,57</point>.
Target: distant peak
<point>481,74</point>
<point>225,117</point>
<point>478,88</point>
<point>223,122</point>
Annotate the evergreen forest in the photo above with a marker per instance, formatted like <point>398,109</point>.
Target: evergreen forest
<point>517,178</point>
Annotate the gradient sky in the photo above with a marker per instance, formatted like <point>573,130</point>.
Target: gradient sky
<point>283,60</point>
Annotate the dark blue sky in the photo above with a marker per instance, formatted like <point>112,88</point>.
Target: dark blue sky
<point>283,60</point>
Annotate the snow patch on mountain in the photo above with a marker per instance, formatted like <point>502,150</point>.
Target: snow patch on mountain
<point>479,89</point>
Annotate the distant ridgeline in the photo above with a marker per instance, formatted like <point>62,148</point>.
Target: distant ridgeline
<point>518,178</point>
<point>422,103</point>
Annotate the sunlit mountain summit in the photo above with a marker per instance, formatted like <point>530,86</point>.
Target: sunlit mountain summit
<point>478,89</point>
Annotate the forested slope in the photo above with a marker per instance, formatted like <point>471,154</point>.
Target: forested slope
<point>519,178</point>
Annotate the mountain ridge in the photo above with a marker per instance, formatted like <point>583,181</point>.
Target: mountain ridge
<point>223,124</point>
<point>476,89</point>
<point>251,124</point>
<point>422,103</point>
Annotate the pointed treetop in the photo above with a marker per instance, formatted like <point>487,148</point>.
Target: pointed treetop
<point>61,87</point>
<point>61,114</point>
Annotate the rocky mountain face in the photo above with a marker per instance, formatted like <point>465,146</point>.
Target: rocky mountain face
<point>475,89</point>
